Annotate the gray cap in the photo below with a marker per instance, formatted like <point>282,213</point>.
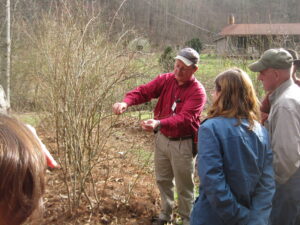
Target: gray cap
<point>188,56</point>
<point>273,58</point>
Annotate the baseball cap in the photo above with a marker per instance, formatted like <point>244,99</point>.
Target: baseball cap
<point>277,58</point>
<point>188,56</point>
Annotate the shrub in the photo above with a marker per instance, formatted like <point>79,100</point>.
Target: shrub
<point>76,74</point>
<point>166,60</point>
<point>194,43</point>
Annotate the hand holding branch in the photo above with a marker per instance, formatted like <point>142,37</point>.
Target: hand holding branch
<point>120,107</point>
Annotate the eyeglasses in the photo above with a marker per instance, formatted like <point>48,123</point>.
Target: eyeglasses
<point>182,69</point>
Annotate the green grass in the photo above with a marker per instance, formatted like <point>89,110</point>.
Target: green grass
<point>210,66</point>
<point>143,155</point>
<point>143,159</point>
<point>141,115</point>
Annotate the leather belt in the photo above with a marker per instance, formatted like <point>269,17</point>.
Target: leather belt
<point>180,138</point>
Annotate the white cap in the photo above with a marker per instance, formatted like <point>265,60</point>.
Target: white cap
<point>188,56</point>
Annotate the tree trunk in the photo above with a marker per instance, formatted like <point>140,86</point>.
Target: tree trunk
<point>8,53</point>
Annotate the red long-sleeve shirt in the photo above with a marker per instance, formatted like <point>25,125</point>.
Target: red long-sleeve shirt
<point>190,99</point>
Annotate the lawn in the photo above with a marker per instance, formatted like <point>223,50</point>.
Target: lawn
<point>209,67</point>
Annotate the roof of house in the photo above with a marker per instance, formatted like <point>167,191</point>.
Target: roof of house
<point>261,29</point>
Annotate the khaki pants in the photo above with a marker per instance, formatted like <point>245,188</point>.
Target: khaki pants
<point>174,159</point>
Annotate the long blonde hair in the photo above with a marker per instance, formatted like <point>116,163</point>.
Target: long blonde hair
<point>236,97</point>
<point>22,171</point>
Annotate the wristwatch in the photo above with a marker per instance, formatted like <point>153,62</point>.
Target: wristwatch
<point>157,128</point>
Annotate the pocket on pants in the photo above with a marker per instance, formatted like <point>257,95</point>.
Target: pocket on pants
<point>186,148</point>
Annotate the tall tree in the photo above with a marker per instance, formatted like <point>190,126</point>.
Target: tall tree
<point>8,53</point>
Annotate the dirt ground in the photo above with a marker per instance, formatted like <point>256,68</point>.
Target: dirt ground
<point>128,197</point>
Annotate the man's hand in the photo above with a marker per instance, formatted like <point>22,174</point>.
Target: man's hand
<point>150,125</point>
<point>296,79</point>
<point>264,117</point>
<point>265,105</point>
<point>119,107</point>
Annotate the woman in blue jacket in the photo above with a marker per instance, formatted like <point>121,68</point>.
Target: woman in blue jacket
<point>234,158</point>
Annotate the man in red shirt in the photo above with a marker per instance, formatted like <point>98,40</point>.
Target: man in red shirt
<point>181,99</point>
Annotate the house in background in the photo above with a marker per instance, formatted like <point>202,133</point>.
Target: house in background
<point>251,40</point>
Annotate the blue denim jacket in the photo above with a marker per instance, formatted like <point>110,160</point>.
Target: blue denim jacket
<point>236,175</point>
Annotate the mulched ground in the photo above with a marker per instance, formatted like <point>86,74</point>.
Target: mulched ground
<point>128,197</point>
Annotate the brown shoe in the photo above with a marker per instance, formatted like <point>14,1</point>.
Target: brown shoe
<point>158,221</point>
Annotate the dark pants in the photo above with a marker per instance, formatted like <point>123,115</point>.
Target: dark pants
<point>286,202</point>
